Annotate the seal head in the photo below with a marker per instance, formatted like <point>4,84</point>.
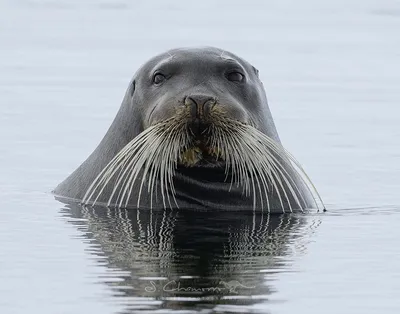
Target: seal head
<point>194,130</point>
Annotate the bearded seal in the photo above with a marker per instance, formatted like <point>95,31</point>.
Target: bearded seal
<point>194,130</point>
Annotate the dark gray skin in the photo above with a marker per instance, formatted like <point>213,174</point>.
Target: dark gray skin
<point>197,74</point>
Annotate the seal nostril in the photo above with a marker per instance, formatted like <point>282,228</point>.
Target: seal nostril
<point>208,106</point>
<point>189,102</point>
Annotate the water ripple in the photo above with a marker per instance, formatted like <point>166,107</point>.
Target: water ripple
<point>191,259</point>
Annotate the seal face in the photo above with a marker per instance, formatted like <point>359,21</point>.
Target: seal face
<point>194,130</point>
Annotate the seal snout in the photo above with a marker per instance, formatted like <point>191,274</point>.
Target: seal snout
<point>199,106</point>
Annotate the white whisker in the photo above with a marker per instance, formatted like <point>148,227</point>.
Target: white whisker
<point>152,154</point>
<point>253,161</point>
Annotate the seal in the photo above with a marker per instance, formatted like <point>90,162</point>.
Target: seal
<point>194,130</point>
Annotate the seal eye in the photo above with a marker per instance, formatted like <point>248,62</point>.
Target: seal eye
<point>235,76</point>
<point>158,78</point>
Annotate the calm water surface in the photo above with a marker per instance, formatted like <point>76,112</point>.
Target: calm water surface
<point>332,75</point>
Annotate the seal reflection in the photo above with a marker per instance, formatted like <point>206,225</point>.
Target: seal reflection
<point>186,259</point>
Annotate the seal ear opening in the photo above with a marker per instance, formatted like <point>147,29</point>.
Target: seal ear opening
<point>132,88</point>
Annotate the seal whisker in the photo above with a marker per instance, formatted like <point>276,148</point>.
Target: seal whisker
<point>280,150</point>
<point>139,156</point>
<point>109,170</point>
<point>245,168</point>
<point>250,170</point>
<point>124,160</point>
<point>274,163</point>
<point>180,144</point>
<point>150,161</point>
<point>266,170</point>
<point>125,163</point>
<point>288,180</point>
<point>271,166</point>
<point>252,160</point>
<point>165,172</point>
<point>139,161</point>
<point>130,173</point>
<point>171,152</point>
<point>239,162</point>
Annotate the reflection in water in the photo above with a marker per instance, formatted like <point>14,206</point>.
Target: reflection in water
<point>185,259</point>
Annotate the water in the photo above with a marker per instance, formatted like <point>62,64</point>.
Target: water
<point>331,71</point>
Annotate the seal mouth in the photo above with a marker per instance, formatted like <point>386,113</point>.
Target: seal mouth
<point>201,154</point>
<point>201,151</point>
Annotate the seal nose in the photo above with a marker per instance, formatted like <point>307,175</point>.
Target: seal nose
<point>199,105</point>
